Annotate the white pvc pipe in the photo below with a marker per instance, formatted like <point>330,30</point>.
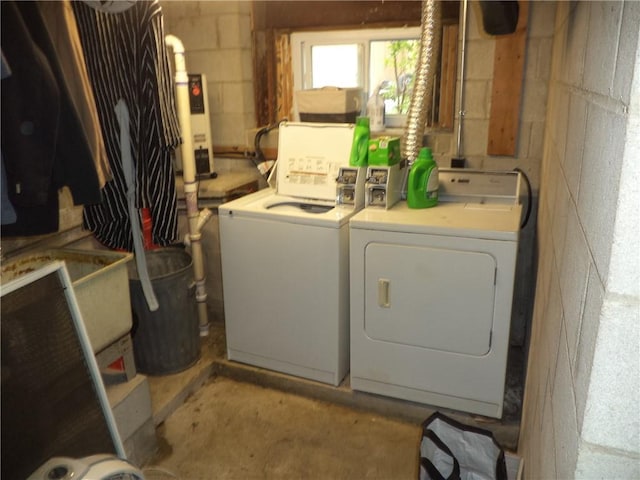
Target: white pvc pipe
<point>189,176</point>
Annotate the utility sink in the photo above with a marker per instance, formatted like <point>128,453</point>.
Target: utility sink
<point>100,282</point>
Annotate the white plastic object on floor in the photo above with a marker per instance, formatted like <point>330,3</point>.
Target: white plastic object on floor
<point>94,467</point>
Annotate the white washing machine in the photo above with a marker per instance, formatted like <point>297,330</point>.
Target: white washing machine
<point>431,294</point>
<point>285,258</point>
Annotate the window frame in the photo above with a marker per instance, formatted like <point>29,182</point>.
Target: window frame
<point>301,43</point>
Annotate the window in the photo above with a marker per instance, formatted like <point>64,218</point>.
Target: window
<point>381,60</point>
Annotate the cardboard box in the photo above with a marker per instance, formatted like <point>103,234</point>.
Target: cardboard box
<point>329,104</point>
<point>384,151</point>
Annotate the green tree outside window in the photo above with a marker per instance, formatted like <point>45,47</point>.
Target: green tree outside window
<point>402,58</point>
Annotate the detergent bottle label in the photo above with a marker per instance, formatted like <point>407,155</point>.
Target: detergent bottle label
<point>433,183</point>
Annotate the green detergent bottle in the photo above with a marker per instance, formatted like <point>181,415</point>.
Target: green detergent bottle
<point>423,183</point>
<point>360,145</point>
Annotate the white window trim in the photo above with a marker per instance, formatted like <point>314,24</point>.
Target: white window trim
<point>301,43</point>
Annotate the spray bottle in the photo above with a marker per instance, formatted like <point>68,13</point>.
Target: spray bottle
<point>422,186</point>
<point>360,145</point>
<point>375,110</point>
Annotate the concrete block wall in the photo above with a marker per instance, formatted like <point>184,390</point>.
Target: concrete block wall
<point>581,416</point>
<point>477,96</point>
<point>217,41</point>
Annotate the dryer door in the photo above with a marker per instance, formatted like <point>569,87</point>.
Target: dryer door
<point>436,298</point>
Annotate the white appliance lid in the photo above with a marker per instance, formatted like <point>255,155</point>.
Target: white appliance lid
<point>490,222</point>
<point>309,158</point>
<point>268,206</point>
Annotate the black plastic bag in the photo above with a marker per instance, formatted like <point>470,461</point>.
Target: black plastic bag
<point>450,450</point>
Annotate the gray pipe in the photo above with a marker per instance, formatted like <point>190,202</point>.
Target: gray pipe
<point>423,85</point>
<point>461,111</point>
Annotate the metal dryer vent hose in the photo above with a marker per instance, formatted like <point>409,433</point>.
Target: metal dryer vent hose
<point>430,33</point>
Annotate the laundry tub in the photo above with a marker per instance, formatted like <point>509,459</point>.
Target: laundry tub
<point>100,284</point>
<point>166,340</point>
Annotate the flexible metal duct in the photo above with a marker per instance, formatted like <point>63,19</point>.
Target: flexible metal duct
<point>423,85</point>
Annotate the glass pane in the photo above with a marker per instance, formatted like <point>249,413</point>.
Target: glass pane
<point>335,66</point>
<point>392,68</point>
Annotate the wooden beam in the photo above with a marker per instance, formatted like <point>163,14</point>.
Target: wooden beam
<point>448,76</point>
<point>284,77</point>
<point>508,70</point>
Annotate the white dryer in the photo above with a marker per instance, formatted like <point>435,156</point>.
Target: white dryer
<point>285,258</point>
<point>431,294</point>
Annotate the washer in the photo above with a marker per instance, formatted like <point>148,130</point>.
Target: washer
<point>431,294</point>
<point>285,258</point>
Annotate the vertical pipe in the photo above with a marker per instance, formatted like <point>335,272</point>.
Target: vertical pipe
<point>189,176</point>
<point>461,111</point>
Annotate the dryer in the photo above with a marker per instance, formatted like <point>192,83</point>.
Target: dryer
<point>431,294</point>
<point>285,257</point>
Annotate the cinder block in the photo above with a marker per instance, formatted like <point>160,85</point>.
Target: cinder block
<point>479,60</point>
<point>475,30</point>
<point>232,98</point>
<point>551,331</point>
<point>246,65</point>
<point>545,256</point>
<point>600,180</point>
<point>557,118</point>
<point>603,38</point>
<point>197,33</point>
<point>536,144</point>
<point>550,181</point>
<point>142,444</point>
<point>230,129</point>
<point>626,52</point>
<point>572,60</point>
<point>218,65</point>
<point>475,137</point>
<point>587,343</point>
<point>476,104</point>
<point>541,19</point>
<point>247,93</point>
<point>235,31</point>
<point>523,140</point>
<point>531,58</point>
<point>576,126</point>
<point>573,280</point>
<point>560,208</point>
<point>131,404</point>
<point>595,463</point>
<point>534,105</point>
<point>564,414</point>
<point>221,7</point>
<point>444,145</point>
<point>624,270</point>
<point>173,11</point>
<point>216,97</point>
<point>543,64</point>
<point>546,458</point>
<point>611,418</point>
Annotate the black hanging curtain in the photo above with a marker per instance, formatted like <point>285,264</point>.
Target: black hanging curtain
<point>127,59</point>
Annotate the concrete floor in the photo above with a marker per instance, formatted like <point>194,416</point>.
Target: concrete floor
<point>237,430</point>
<point>222,419</point>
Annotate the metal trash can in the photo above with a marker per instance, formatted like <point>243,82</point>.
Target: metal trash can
<point>168,340</point>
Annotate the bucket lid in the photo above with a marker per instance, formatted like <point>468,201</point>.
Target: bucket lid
<point>162,263</point>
